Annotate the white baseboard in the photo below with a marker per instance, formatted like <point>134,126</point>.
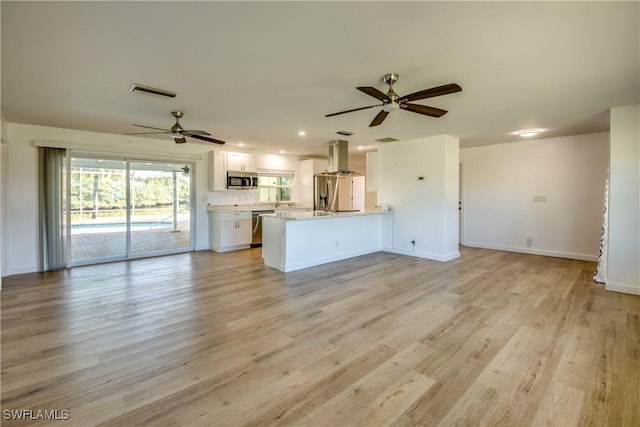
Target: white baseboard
<point>557,254</point>
<point>625,289</point>
<point>325,260</point>
<point>24,269</point>
<point>424,255</point>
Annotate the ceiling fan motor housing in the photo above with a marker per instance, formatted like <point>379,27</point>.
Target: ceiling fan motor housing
<point>177,129</point>
<point>390,78</point>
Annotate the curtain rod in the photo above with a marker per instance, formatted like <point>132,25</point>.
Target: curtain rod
<point>119,151</point>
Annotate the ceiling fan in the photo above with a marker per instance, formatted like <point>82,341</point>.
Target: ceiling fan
<point>178,133</point>
<point>392,101</point>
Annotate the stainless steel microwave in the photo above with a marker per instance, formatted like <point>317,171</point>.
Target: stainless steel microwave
<point>239,180</point>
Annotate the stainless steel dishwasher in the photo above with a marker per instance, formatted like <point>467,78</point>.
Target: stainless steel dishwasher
<point>256,222</point>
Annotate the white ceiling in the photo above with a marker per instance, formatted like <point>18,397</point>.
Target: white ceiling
<point>257,72</point>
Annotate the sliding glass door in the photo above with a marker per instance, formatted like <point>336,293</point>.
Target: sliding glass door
<point>98,209</point>
<point>160,207</point>
<point>128,209</point>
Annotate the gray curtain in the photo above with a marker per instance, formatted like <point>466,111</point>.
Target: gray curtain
<point>52,219</point>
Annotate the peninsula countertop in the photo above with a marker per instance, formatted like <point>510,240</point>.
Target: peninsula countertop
<point>285,206</point>
<point>295,240</point>
<point>306,215</point>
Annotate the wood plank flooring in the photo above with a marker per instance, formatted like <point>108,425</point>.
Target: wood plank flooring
<point>492,338</point>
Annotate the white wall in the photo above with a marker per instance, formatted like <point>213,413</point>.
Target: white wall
<point>500,182</point>
<point>20,210</point>
<point>425,210</point>
<point>20,203</point>
<point>623,273</point>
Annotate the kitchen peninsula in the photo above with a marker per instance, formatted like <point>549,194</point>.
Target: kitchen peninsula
<point>296,240</point>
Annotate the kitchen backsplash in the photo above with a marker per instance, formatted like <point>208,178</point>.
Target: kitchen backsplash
<point>233,197</point>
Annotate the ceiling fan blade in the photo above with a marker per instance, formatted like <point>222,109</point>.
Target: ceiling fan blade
<point>379,118</point>
<point>151,127</point>
<point>205,138</point>
<point>430,93</point>
<point>143,133</point>
<point>423,109</point>
<point>372,91</point>
<point>355,109</point>
<point>196,132</point>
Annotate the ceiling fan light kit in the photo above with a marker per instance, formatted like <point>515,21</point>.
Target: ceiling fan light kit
<point>391,101</point>
<point>178,133</point>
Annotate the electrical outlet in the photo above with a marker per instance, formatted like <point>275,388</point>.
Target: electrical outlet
<point>529,242</point>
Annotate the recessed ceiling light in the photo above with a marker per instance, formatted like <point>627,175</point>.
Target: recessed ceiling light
<point>528,132</point>
<point>301,133</point>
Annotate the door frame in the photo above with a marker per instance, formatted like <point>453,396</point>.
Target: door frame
<point>128,160</point>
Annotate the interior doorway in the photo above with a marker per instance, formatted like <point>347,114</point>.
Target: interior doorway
<point>460,207</point>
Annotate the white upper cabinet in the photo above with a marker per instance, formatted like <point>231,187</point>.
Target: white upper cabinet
<point>222,161</point>
<point>241,162</point>
<point>217,171</point>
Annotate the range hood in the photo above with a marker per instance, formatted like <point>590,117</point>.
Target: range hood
<point>339,158</point>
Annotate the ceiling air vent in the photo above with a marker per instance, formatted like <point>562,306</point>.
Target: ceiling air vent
<point>152,90</point>
<point>387,139</point>
<point>344,132</point>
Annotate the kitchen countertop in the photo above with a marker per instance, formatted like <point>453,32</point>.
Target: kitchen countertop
<point>322,214</point>
<point>286,206</point>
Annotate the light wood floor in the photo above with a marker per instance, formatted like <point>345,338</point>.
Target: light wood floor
<point>493,338</point>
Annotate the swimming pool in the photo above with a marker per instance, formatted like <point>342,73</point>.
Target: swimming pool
<point>115,227</point>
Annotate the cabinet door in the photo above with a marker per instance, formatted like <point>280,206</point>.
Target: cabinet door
<point>241,162</point>
<point>228,233</point>
<point>244,231</point>
<point>217,171</point>
<point>249,163</point>
<point>234,161</point>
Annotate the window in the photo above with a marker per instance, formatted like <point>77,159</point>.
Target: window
<point>274,185</point>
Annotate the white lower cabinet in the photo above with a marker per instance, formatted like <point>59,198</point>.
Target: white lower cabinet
<point>229,231</point>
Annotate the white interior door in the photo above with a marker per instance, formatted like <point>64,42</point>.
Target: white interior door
<point>358,192</point>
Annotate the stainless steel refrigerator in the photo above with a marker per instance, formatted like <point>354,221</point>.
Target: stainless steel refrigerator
<point>333,192</point>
